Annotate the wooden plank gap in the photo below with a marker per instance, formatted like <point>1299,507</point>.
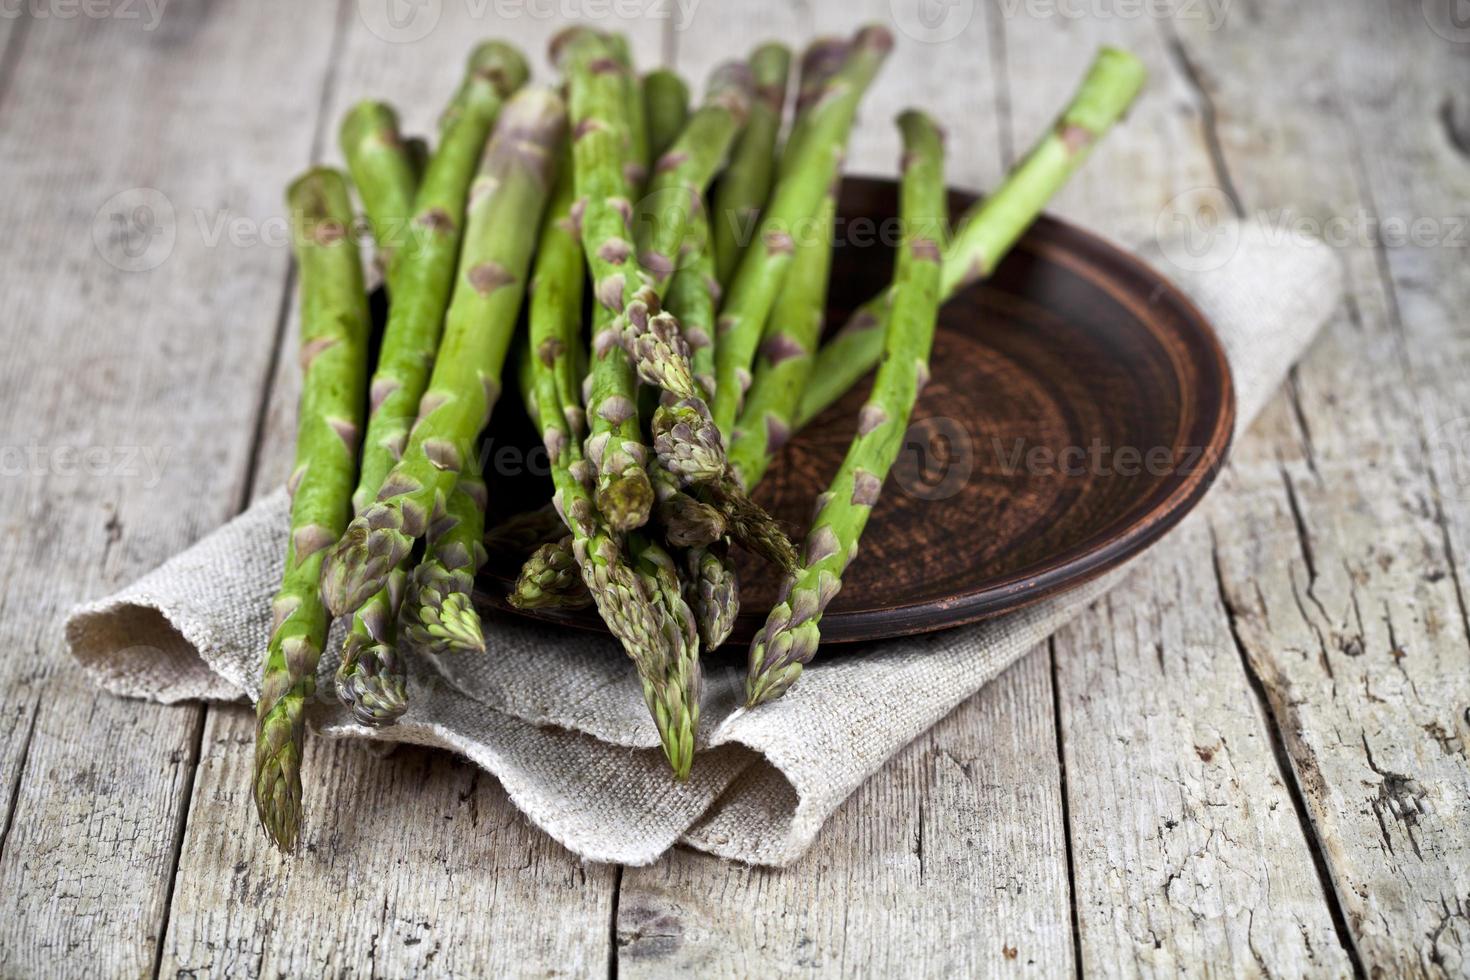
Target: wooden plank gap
<point>12,795</point>
<point>186,806</point>
<point>612,928</point>
<point>1209,118</point>
<point>1056,713</point>
<point>1286,771</point>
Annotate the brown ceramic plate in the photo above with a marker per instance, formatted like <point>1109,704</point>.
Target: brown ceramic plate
<point>1080,405</point>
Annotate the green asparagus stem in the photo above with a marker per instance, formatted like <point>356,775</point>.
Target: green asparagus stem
<point>820,62</point>
<point>815,163</point>
<point>783,369</point>
<point>372,677</point>
<point>334,338</point>
<point>603,210</point>
<point>713,592</point>
<point>439,616</point>
<point>382,168</point>
<point>989,229</point>
<point>687,521</point>
<point>666,107</point>
<point>671,688</point>
<point>685,171</point>
<point>506,198</point>
<point>747,181</point>
<point>693,295</point>
<point>791,633</point>
<point>551,579</point>
<point>637,152</point>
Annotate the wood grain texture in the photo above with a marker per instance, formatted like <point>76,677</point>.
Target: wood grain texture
<point>1344,576</point>
<point>1339,535</point>
<point>1186,847</point>
<point>949,862</point>
<point>135,340</point>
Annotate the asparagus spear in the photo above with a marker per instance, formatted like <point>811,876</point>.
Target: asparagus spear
<point>334,339</point>
<point>637,152</point>
<point>791,334</point>
<point>713,592</point>
<point>551,579</point>
<point>603,210</point>
<point>989,229</point>
<point>671,686</point>
<point>687,521</point>
<point>382,168</point>
<point>666,107</point>
<point>439,615</point>
<point>693,295</point>
<point>747,181</point>
<point>371,679</point>
<point>685,171</point>
<point>815,161</point>
<point>791,633</point>
<point>505,199</point>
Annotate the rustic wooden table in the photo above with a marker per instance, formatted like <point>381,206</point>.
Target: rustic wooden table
<point>1250,759</point>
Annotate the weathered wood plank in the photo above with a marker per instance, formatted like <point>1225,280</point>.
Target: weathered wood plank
<point>952,859</point>
<point>1347,587</point>
<point>412,863</point>
<point>1186,847</point>
<point>155,340</point>
<point>947,862</point>
<point>417,862</point>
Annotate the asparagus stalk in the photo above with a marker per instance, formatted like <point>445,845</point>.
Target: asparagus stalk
<point>820,62</point>
<point>687,521</point>
<point>685,171</point>
<point>371,678</point>
<point>814,164</point>
<point>551,579</point>
<point>693,295</point>
<point>382,167</point>
<point>666,107</point>
<point>714,593</point>
<point>789,638</point>
<point>671,687</point>
<point>334,338</point>
<point>506,198</point>
<point>747,181</point>
<point>988,230</point>
<point>784,366</point>
<point>603,210</point>
<point>637,154</point>
<point>439,616</point>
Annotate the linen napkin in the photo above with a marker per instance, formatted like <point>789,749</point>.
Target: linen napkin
<point>571,740</point>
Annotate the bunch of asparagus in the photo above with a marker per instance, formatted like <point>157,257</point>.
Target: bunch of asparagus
<point>672,261</point>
